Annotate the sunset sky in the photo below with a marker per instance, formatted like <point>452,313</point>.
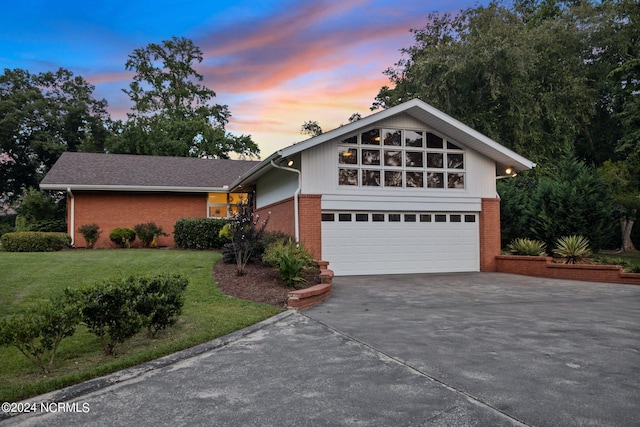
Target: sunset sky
<point>276,64</point>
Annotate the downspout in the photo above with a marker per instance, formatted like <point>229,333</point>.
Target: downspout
<point>72,216</point>
<point>296,221</point>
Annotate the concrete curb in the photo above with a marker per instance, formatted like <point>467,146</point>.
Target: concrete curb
<point>77,390</point>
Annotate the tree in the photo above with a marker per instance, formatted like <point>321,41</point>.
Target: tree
<point>173,114</point>
<point>624,180</point>
<point>311,128</point>
<point>41,116</point>
<point>557,200</point>
<point>521,75</point>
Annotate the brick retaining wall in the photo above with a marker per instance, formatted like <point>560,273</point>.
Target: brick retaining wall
<point>544,267</point>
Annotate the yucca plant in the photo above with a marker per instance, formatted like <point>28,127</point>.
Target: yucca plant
<point>529,247</point>
<point>573,249</point>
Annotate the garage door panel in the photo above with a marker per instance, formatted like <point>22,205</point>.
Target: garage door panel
<point>389,247</point>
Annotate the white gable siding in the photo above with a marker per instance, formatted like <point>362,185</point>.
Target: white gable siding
<point>275,186</point>
<point>320,165</point>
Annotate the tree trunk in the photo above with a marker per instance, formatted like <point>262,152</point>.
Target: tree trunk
<point>626,224</point>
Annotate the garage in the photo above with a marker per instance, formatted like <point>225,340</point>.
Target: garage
<point>360,243</point>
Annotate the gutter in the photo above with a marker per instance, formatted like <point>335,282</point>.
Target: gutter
<point>295,198</point>
<point>72,216</point>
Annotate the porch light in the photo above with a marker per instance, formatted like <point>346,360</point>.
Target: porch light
<point>290,163</point>
<point>508,171</point>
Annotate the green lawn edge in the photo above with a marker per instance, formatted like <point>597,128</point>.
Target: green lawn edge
<point>30,278</point>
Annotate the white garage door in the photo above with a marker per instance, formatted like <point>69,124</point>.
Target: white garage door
<point>358,243</point>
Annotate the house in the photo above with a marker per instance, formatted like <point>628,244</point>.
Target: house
<point>405,190</point>
<point>116,190</point>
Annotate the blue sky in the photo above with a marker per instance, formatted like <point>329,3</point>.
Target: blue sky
<point>275,63</point>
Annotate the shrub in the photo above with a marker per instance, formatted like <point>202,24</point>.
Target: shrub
<point>290,259</point>
<point>160,302</point>
<point>91,233</point>
<point>35,241</point>
<point>37,332</point>
<point>573,249</point>
<point>529,247</point>
<point>109,311</point>
<point>148,234</point>
<point>246,232</point>
<point>199,233</point>
<point>122,236</point>
<point>39,211</point>
<point>267,238</point>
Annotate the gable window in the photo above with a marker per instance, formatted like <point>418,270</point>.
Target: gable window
<point>400,158</point>
<point>225,205</point>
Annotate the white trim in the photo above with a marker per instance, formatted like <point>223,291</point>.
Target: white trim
<point>400,203</point>
<point>72,217</point>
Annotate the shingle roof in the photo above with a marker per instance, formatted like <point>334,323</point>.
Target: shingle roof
<point>139,173</point>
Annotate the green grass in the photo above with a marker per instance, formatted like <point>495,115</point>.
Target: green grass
<point>29,278</point>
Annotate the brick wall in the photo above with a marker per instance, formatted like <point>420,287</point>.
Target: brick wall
<point>489,234</point>
<point>280,216</point>
<point>310,223</point>
<point>282,219</point>
<point>121,209</point>
<point>544,267</point>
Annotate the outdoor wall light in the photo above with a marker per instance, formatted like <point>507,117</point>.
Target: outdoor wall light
<point>508,171</point>
<point>290,163</point>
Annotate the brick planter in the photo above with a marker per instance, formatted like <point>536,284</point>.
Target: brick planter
<point>306,298</point>
<point>544,267</point>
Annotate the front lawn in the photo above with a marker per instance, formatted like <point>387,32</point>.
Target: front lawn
<point>29,278</point>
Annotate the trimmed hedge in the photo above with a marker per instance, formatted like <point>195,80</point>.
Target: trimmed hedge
<point>199,233</point>
<point>35,241</point>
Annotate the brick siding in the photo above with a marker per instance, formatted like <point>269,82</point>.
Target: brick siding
<point>309,211</point>
<point>122,209</point>
<point>489,234</point>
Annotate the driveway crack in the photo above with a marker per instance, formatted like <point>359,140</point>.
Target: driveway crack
<point>470,398</point>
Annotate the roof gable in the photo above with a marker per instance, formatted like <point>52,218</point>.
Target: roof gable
<point>425,113</point>
<point>93,171</point>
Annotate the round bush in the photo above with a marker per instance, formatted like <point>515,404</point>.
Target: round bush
<point>122,236</point>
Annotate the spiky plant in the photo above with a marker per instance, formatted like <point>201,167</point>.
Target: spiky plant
<point>573,249</point>
<point>529,247</point>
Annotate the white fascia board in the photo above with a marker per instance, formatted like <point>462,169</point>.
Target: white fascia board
<point>255,172</point>
<point>432,117</point>
<point>132,188</point>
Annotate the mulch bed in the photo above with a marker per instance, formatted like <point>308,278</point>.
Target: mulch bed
<point>260,283</point>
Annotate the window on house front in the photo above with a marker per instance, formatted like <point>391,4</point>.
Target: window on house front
<point>225,205</point>
<point>400,158</point>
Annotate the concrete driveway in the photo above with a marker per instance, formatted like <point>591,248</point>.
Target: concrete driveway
<point>477,349</point>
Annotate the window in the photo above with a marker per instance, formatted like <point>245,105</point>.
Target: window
<point>329,217</point>
<point>455,218</point>
<point>377,217</point>
<point>469,218</point>
<point>400,158</point>
<point>409,217</point>
<point>224,205</point>
<point>425,218</point>
<point>441,218</point>
<point>394,217</point>
<point>362,217</point>
<point>344,217</point>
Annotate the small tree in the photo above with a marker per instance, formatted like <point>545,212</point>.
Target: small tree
<point>91,233</point>
<point>246,232</point>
